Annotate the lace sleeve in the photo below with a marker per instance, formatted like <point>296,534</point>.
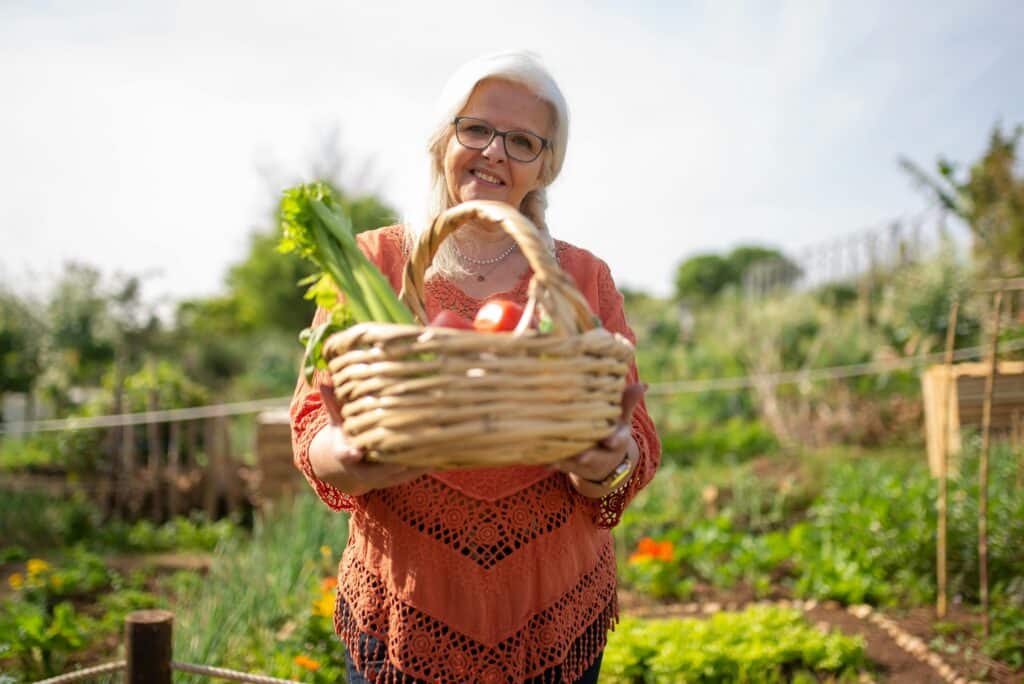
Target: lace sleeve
<point>308,417</point>
<point>607,511</point>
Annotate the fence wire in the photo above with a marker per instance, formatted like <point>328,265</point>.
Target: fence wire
<point>232,675</point>
<point>86,673</point>
<point>656,389</point>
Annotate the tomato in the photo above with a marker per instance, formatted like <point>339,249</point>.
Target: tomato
<point>498,315</point>
<point>450,319</point>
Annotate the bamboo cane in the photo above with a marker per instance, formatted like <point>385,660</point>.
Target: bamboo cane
<point>986,426</point>
<point>943,505</point>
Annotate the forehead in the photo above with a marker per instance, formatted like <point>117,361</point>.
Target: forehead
<point>509,105</point>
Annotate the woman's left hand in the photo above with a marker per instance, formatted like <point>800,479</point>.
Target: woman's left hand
<point>595,464</point>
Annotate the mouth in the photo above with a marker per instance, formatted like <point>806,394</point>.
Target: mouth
<point>487,178</point>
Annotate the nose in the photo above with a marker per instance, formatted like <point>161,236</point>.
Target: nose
<point>496,149</point>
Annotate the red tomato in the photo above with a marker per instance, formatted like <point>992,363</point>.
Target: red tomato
<point>450,319</point>
<point>498,315</point>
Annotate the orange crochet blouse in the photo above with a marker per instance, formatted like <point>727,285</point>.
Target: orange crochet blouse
<point>488,575</point>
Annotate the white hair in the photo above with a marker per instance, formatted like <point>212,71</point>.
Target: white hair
<point>519,67</point>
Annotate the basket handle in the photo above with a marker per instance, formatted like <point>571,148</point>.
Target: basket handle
<point>551,289</point>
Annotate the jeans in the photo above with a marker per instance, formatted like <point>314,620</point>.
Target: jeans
<point>375,653</point>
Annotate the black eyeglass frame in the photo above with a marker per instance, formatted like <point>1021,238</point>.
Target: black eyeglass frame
<point>544,142</point>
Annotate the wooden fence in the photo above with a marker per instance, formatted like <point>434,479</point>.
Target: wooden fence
<point>161,468</point>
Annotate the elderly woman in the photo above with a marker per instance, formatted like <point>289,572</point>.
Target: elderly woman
<point>488,575</point>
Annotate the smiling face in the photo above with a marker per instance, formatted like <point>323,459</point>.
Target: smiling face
<point>489,173</point>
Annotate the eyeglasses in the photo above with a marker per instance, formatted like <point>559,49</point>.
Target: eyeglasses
<point>477,134</point>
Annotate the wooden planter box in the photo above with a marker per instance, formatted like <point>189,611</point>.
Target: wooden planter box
<point>277,473</point>
<point>965,403</point>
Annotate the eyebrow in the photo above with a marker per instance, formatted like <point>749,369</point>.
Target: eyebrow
<point>508,130</point>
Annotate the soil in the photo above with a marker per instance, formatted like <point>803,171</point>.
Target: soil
<point>891,663</point>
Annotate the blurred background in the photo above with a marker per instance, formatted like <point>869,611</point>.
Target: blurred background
<point>791,196</point>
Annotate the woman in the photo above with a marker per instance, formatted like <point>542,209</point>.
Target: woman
<point>489,575</point>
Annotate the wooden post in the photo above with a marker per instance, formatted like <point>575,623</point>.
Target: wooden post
<point>126,482</point>
<point>214,452</point>
<point>229,469</point>
<point>148,646</point>
<point>112,501</point>
<point>153,468</point>
<point>986,428</point>
<point>192,429</point>
<point>1018,449</point>
<point>940,607</point>
<point>173,468</point>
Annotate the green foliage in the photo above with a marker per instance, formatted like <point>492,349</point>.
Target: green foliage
<point>759,645</point>
<point>40,640</point>
<point>913,311</point>
<point>990,200</point>
<point>223,620</point>
<point>35,520</point>
<point>701,279</point>
<point>24,452</point>
<point>868,536</point>
<point>40,629</point>
<point>22,332</point>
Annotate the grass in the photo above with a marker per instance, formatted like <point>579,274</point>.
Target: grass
<point>233,617</point>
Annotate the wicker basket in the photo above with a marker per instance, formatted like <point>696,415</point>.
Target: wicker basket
<point>447,398</point>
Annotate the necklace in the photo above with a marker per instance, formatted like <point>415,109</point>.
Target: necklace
<point>493,262</point>
<point>483,262</point>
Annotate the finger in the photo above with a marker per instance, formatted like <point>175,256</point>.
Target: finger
<point>631,397</point>
<point>618,440</point>
<point>330,402</point>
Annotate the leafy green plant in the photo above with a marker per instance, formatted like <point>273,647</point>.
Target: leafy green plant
<point>41,640</point>
<point>761,644</point>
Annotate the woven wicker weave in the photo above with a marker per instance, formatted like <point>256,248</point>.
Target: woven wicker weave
<point>449,398</point>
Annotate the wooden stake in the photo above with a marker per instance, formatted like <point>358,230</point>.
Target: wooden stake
<point>153,460</point>
<point>986,428</point>
<point>148,646</point>
<point>229,469</point>
<point>173,469</point>
<point>943,505</point>
<point>126,482</point>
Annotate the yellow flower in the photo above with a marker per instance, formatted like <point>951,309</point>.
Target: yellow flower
<point>324,606</point>
<point>16,581</point>
<point>56,581</point>
<point>326,552</point>
<point>308,663</point>
<point>36,566</point>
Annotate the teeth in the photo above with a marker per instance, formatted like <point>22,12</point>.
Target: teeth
<point>487,177</point>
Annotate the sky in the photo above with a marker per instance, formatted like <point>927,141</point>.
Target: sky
<point>152,138</point>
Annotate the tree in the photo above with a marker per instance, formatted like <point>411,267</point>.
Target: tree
<point>21,334</point>
<point>702,278</point>
<point>989,199</point>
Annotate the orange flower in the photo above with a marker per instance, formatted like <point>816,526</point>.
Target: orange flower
<point>329,584</point>
<point>308,663</point>
<point>649,549</point>
<point>647,546</point>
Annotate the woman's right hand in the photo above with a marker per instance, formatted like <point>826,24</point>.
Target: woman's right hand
<point>344,466</point>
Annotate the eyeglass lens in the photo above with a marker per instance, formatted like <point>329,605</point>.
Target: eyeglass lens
<point>519,145</point>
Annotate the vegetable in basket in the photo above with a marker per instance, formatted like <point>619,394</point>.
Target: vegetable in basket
<point>314,225</point>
